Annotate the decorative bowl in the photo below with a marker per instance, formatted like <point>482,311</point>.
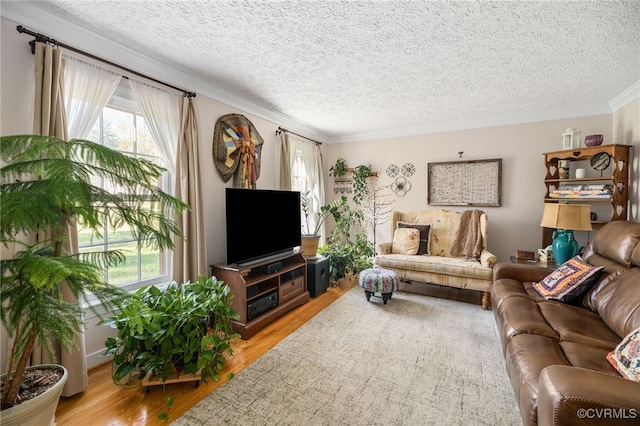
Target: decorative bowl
<point>593,140</point>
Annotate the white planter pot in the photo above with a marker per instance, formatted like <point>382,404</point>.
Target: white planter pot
<point>39,411</point>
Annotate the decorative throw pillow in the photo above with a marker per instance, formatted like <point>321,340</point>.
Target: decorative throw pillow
<point>570,280</point>
<point>405,241</point>
<point>626,356</point>
<point>424,235</point>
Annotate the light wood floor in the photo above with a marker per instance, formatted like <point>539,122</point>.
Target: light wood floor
<point>104,403</point>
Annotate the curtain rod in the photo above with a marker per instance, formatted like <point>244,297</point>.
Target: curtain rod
<point>280,130</point>
<point>44,39</point>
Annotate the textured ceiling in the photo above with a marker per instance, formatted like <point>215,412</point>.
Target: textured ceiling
<point>346,69</point>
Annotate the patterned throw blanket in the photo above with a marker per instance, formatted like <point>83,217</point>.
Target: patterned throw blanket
<point>468,239</point>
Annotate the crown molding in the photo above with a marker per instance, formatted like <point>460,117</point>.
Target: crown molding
<point>34,18</point>
<point>626,97</point>
<point>504,120</point>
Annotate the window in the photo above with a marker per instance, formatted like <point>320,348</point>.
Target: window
<point>123,128</point>
<point>299,181</point>
<point>306,177</point>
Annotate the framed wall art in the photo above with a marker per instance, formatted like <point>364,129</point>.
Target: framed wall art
<point>465,183</point>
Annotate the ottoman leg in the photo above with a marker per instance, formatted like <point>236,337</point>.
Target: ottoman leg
<point>368,295</point>
<point>385,297</point>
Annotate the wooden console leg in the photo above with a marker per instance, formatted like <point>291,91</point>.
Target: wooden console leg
<point>486,301</point>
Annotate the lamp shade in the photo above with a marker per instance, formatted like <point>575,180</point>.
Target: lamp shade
<point>575,217</point>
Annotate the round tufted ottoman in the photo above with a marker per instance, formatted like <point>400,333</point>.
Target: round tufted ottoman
<point>378,280</point>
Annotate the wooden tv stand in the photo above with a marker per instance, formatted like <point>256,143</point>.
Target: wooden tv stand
<point>253,288</point>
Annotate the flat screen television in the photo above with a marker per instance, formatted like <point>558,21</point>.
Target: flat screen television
<point>261,223</point>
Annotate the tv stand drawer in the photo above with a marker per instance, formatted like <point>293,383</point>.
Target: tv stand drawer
<point>291,288</point>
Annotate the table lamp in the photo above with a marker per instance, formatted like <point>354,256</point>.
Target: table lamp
<point>566,218</point>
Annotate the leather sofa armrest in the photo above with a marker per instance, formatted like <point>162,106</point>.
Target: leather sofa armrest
<point>520,272</point>
<point>488,259</point>
<point>577,396</point>
<point>384,248</point>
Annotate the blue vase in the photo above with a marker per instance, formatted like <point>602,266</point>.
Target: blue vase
<point>564,245</point>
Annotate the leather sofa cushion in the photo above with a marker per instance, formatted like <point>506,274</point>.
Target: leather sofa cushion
<point>577,324</point>
<point>619,303</point>
<point>585,356</point>
<point>635,256</point>
<point>509,287</point>
<point>617,243</point>
<point>588,298</point>
<point>526,355</point>
<point>520,315</point>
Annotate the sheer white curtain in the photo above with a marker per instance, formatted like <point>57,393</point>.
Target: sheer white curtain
<point>88,88</point>
<point>161,110</point>
<point>292,148</point>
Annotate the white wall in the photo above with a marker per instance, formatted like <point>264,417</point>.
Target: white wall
<point>514,225</point>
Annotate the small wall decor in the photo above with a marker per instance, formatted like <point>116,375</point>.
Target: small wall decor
<point>237,146</point>
<point>465,183</point>
<point>392,170</point>
<point>408,169</point>
<point>401,186</point>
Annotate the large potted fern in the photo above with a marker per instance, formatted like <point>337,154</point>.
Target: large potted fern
<point>46,188</point>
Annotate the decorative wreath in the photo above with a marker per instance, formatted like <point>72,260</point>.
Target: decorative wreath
<point>401,186</point>
<point>408,169</point>
<point>237,146</point>
<point>392,170</point>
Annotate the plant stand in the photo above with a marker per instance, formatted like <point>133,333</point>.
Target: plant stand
<point>177,377</point>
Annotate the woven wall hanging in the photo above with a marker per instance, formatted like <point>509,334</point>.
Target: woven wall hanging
<point>237,146</point>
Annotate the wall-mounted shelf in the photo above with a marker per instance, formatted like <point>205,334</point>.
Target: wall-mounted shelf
<point>343,184</point>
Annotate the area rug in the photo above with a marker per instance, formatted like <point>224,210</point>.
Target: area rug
<point>417,360</point>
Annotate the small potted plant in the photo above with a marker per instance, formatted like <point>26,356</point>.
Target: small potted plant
<point>339,169</point>
<point>311,236</point>
<point>46,188</point>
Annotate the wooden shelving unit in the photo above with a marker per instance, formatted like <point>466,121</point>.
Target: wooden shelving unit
<point>285,289</point>
<point>618,177</point>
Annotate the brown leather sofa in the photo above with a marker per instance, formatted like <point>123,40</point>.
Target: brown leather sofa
<point>555,353</point>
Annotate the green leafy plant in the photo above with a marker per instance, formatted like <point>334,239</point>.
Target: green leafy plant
<point>364,253</point>
<point>46,188</point>
<point>333,209</point>
<point>360,188</point>
<point>346,254</point>
<point>348,257</point>
<point>185,328</point>
<point>340,260</point>
<point>339,169</point>
<point>182,329</point>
